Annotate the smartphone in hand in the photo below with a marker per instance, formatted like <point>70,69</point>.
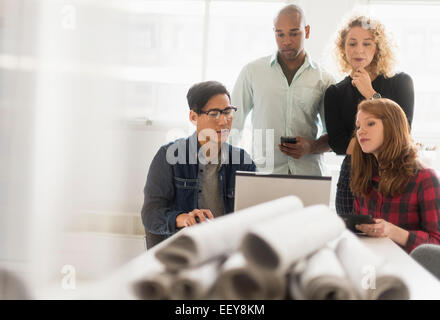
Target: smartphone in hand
<point>286,139</point>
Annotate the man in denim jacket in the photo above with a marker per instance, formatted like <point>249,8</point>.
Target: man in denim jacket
<point>193,179</point>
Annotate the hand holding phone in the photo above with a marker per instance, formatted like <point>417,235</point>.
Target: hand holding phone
<point>351,220</point>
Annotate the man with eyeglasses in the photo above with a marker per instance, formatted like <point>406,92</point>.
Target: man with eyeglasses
<point>286,93</point>
<point>192,180</point>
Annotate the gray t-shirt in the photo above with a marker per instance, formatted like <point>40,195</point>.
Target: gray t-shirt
<point>211,198</point>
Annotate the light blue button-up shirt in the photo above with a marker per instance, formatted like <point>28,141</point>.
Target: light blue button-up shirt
<point>289,110</point>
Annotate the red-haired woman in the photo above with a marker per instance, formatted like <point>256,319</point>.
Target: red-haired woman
<point>389,182</point>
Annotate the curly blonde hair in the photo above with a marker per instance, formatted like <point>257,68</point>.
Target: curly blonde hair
<point>383,60</point>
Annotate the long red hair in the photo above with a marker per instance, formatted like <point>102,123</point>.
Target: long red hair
<point>397,156</point>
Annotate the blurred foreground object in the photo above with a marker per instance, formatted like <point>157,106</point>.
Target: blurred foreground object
<point>11,287</point>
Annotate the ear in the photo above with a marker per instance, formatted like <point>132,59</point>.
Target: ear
<point>307,31</point>
<point>193,117</point>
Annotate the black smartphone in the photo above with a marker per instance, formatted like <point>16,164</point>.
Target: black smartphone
<point>351,220</point>
<point>285,139</point>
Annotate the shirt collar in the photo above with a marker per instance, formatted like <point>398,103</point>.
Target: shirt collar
<point>273,58</point>
<point>307,62</point>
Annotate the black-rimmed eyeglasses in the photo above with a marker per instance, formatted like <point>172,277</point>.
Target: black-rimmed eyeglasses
<point>214,114</point>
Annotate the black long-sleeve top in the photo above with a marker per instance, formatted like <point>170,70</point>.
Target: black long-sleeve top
<point>341,101</point>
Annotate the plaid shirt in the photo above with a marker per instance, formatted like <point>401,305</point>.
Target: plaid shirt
<point>417,209</point>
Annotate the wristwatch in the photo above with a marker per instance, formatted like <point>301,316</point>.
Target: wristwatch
<point>376,95</point>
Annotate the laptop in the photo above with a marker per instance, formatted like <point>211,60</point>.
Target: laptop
<point>252,188</point>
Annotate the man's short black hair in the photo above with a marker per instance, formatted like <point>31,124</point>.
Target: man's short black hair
<point>199,94</point>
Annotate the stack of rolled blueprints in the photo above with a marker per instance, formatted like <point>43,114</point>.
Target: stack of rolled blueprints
<point>275,250</point>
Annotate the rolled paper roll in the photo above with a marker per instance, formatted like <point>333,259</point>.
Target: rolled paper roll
<point>195,245</point>
<point>195,283</point>
<point>148,278</point>
<point>321,278</point>
<point>154,287</point>
<point>276,245</point>
<point>372,276</point>
<point>237,281</point>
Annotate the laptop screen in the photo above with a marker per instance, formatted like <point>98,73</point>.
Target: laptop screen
<point>252,188</point>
